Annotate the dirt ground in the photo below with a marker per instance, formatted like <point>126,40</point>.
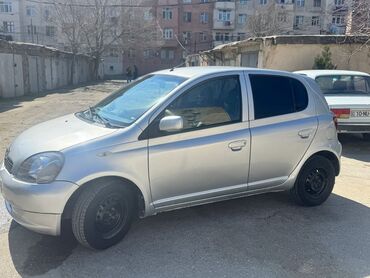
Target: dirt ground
<point>259,236</point>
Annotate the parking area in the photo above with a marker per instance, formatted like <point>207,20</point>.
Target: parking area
<point>259,236</point>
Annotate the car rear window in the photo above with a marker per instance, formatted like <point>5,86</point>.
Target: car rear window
<point>277,95</point>
<point>344,84</point>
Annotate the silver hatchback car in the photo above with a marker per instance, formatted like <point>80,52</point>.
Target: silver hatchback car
<point>172,139</point>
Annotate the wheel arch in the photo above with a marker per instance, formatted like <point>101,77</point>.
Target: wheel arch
<point>67,212</point>
<point>331,157</point>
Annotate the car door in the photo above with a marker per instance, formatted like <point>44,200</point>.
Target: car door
<point>283,124</point>
<point>209,157</point>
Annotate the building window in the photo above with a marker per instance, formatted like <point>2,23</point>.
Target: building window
<point>339,2</point>
<point>6,7</point>
<point>131,53</point>
<point>317,3</point>
<point>186,1</point>
<point>224,15</point>
<point>31,29</point>
<point>204,1</point>
<point>30,11</point>
<point>186,37</point>
<point>242,19</point>
<point>187,16</point>
<point>204,18</point>
<point>46,14</point>
<point>338,20</point>
<point>203,36</point>
<point>282,17</point>
<point>167,54</point>
<point>243,2</point>
<point>148,16</point>
<point>50,31</point>
<point>300,3</point>
<point>241,36</point>
<point>298,21</point>
<point>315,21</point>
<point>146,53</point>
<point>8,26</point>
<point>167,33</point>
<point>223,37</point>
<point>167,13</point>
<point>263,2</point>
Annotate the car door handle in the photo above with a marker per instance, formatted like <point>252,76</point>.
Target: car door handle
<point>305,133</point>
<point>237,145</point>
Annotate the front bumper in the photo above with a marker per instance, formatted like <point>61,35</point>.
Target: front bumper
<point>38,207</point>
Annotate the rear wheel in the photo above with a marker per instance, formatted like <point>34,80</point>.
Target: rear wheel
<point>103,214</point>
<point>315,182</point>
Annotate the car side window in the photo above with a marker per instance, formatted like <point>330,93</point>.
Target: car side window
<point>277,95</point>
<point>214,102</point>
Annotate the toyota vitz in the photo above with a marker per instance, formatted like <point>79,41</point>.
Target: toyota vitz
<point>172,139</point>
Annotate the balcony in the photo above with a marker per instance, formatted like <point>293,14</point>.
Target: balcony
<point>285,7</point>
<point>223,25</point>
<point>340,8</point>
<point>225,5</point>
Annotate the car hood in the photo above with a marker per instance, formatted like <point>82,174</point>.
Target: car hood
<point>348,101</point>
<point>54,135</point>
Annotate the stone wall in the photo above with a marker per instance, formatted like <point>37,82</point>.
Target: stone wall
<point>29,69</point>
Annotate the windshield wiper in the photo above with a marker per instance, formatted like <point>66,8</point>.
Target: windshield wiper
<point>93,112</point>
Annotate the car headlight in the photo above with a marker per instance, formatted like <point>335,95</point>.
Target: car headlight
<point>41,168</point>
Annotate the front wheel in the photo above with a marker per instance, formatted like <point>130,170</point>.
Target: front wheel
<point>103,214</point>
<point>315,182</point>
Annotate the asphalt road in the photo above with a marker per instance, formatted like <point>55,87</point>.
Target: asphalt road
<point>259,236</point>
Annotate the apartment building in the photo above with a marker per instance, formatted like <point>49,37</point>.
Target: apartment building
<point>161,33</point>
<point>292,17</point>
<point>10,20</point>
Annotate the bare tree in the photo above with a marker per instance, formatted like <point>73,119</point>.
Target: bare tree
<point>268,21</point>
<point>94,27</point>
<point>359,18</point>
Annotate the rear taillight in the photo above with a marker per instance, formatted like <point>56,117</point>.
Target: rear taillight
<point>342,113</point>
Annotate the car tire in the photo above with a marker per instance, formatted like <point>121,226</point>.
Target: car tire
<point>366,136</point>
<point>315,182</point>
<point>102,214</point>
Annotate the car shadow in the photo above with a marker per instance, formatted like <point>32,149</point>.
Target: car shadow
<point>259,236</point>
<point>355,146</point>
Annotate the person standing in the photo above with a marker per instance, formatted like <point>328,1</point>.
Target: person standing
<point>129,74</point>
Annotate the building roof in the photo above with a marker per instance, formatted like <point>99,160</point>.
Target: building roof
<point>295,39</point>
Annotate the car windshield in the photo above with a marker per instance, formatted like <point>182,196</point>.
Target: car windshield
<point>126,105</point>
<point>344,84</point>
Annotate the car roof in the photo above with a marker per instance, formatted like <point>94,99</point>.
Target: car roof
<point>316,73</point>
<point>192,72</point>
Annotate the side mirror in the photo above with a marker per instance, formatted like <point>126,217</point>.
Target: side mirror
<point>171,123</point>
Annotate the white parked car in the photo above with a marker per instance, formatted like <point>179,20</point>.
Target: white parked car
<point>348,96</point>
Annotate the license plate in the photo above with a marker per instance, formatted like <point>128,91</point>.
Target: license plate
<point>360,113</point>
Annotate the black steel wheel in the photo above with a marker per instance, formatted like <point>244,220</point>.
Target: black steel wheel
<point>103,214</point>
<point>315,182</point>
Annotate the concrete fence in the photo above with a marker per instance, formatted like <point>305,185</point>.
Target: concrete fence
<point>288,52</point>
<point>29,69</point>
